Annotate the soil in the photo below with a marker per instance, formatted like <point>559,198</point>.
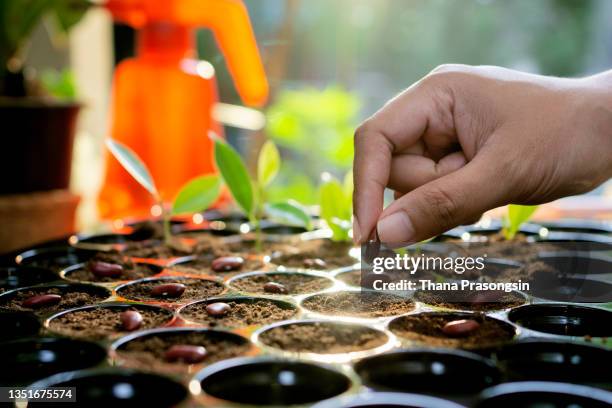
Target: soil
<point>516,250</point>
<point>70,299</point>
<point>323,338</point>
<point>195,289</point>
<point>148,352</point>
<point>481,301</point>
<point>103,322</point>
<point>243,313</point>
<point>358,304</point>
<point>201,265</point>
<point>326,254</point>
<point>295,283</point>
<point>179,246</point>
<point>426,328</point>
<point>351,278</point>
<point>131,270</point>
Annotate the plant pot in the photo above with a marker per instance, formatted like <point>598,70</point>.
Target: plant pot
<point>287,283</point>
<point>441,372</point>
<point>358,304</point>
<point>271,382</point>
<point>244,311</point>
<point>543,394</point>
<point>556,360</point>
<point>13,277</point>
<point>36,147</point>
<point>55,257</point>
<point>18,325</point>
<point>104,321</point>
<point>117,388</point>
<point>388,400</point>
<point>25,361</point>
<point>563,320</point>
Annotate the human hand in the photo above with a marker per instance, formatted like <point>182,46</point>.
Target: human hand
<point>465,139</point>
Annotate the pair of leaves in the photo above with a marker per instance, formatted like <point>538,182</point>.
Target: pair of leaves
<point>197,195</point>
<point>517,216</point>
<point>337,206</point>
<point>243,189</point>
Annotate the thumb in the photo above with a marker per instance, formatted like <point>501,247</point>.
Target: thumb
<point>442,204</point>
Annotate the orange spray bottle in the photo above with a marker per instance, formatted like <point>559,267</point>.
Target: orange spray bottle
<point>163,98</point>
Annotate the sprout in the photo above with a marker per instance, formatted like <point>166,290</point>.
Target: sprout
<point>337,205</point>
<point>517,215</point>
<point>195,196</point>
<point>250,194</point>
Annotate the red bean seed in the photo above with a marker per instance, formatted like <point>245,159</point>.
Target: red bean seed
<point>227,263</point>
<point>460,328</point>
<point>273,287</point>
<point>39,301</point>
<point>218,309</point>
<point>106,270</point>
<point>185,353</point>
<point>130,320</point>
<point>173,290</point>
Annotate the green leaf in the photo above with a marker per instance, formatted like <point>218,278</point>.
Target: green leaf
<point>333,202</point>
<point>289,212</point>
<point>235,175</point>
<point>197,195</point>
<point>268,163</point>
<point>133,165</point>
<point>517,215</point>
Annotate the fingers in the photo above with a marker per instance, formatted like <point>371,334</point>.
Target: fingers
<point>398,125</point>
<point>444,203</point>
<point>409,171</point>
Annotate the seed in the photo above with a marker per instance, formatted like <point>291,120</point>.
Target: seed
<point>39,301</point>
<point>130,320</point>
<point>273,287</point>
<point>227,263</point>
<point>218,309</point>
<point>168,290</point>
<point>460,328</point>
<point>315,263</point>
<point>106,270</point>
<point>186,353</point>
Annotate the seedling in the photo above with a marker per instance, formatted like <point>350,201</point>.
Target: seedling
<point>196,195</point>
<point>517,215</point>
<point>336,201</point>
<point>250,194</point>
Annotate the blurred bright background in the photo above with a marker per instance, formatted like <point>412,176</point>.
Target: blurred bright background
<point>332,63</point>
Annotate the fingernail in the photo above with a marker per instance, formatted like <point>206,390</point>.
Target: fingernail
<point>356,231</point>
<point>396,229</point>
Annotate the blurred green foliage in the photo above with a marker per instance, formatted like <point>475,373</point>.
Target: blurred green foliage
<point>59,84</point>
<point>315,128</point>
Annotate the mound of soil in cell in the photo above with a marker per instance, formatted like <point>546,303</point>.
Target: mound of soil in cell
<point>471,300</point>
<point>358,304</point>
<point>294,283</point>
<point>426,328</point>
<point>323,338</point>
<point>242,313</point>
<point>131,270</point>
<point>195,289</point>
<point>321,254</point>
<point>71,298</point>
<point>103,322</point>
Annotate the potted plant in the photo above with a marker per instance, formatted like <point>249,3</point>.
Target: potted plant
<point>38,114</point>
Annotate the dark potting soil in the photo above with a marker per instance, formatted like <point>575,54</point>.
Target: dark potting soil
<point>323,338</point>
<point>295,283</point>
<point>473,300</point>
<point>148,352</point>
<point>516,250</point>
<point>103,322</point>
<point>241,314</point>
<point>70,299</point>
<point>358,304</point>
<point>426,328</point>
<point>131,270</point>
<point>321,254</point>
<point>195,289</point>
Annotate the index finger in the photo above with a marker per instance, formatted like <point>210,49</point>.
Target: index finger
<point>397,126</point>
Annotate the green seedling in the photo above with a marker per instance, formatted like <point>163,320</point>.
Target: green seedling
<point>336,201</point>
<point>250,194</point>
<point>195,196</point>
<point>517,215</point>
